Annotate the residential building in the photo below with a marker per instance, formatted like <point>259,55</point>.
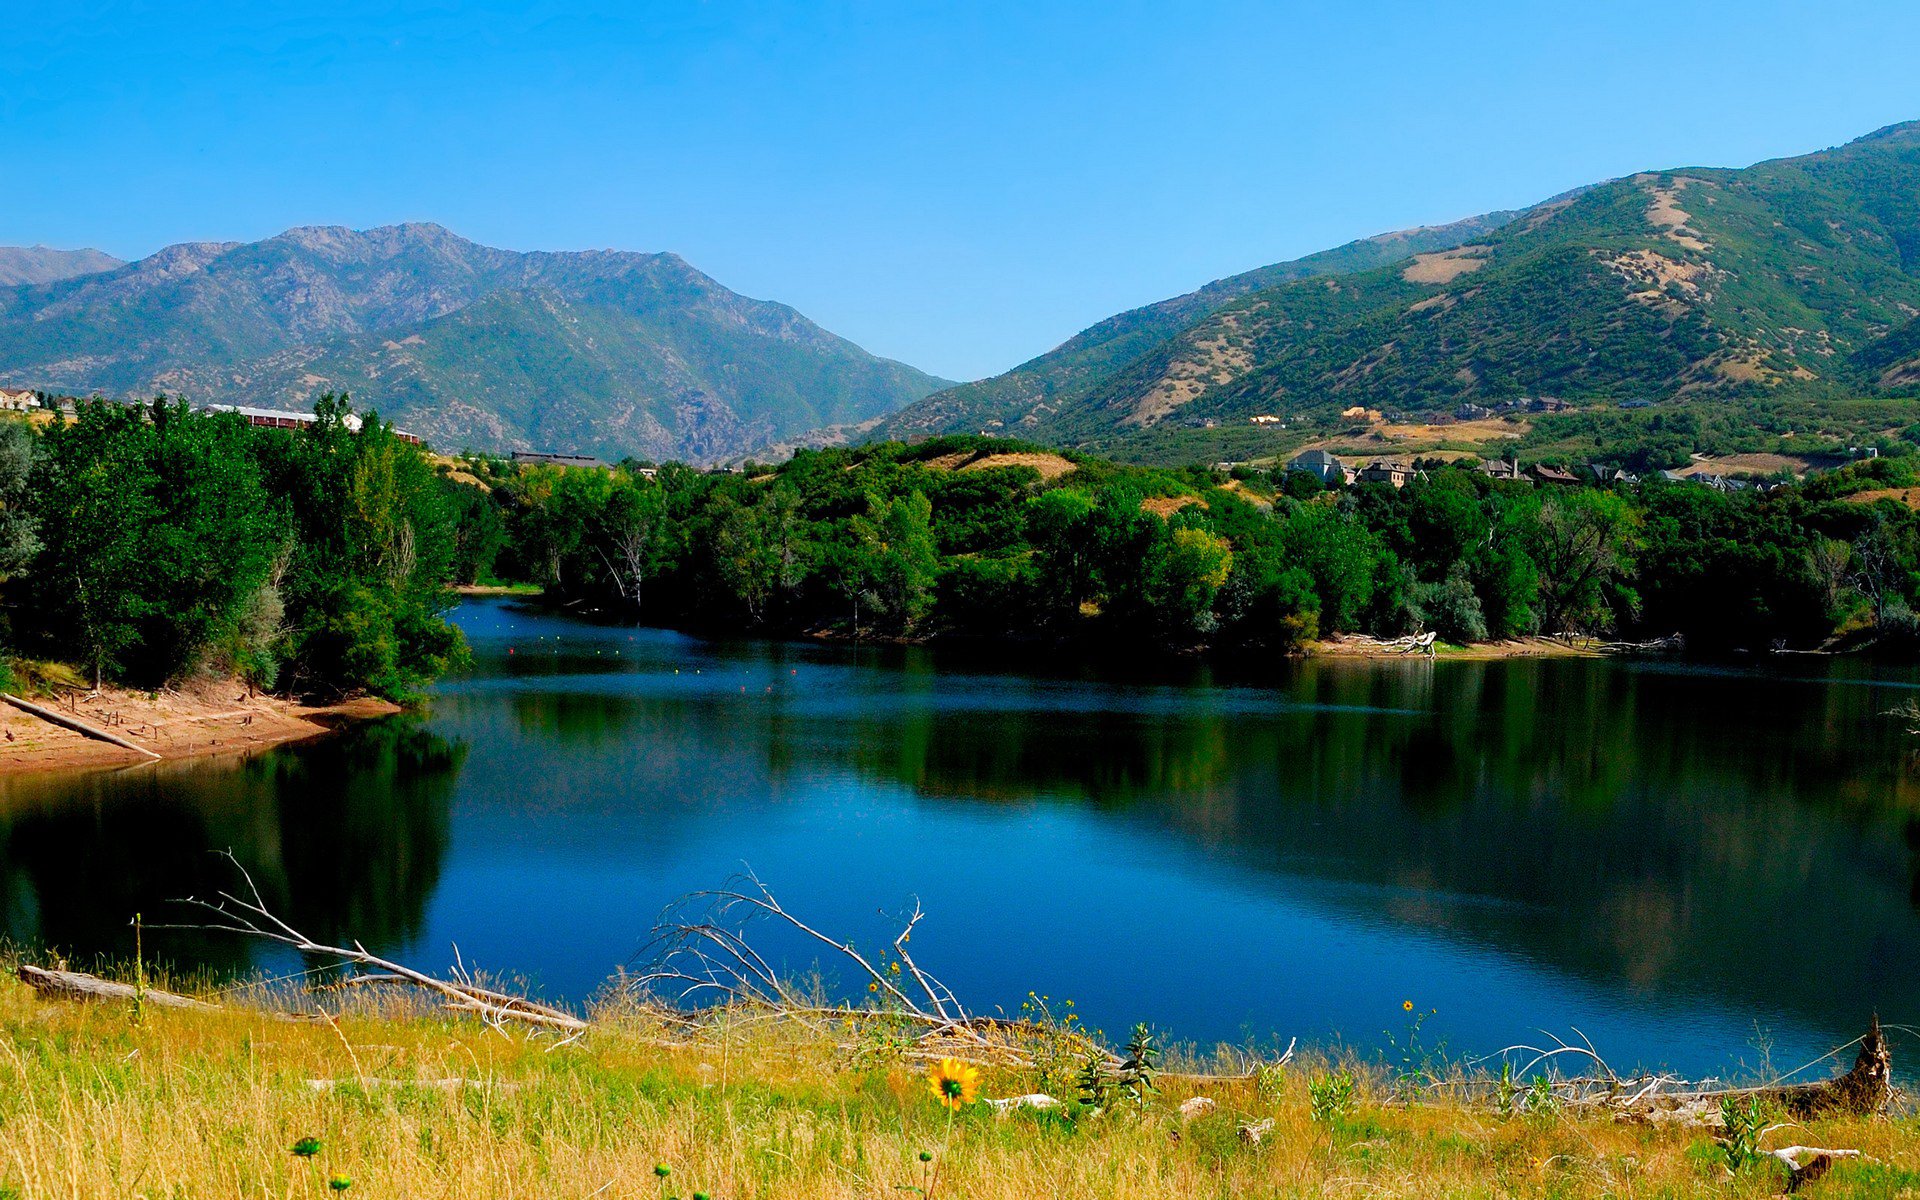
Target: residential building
<point>18,400</point>
<point>1322,466</point>
<point>1387,470</point>
<point>532,458</point>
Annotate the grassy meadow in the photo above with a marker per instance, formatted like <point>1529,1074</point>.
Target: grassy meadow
<point>102,1100</point>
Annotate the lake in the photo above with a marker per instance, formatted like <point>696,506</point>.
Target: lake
<point>1692,867</point>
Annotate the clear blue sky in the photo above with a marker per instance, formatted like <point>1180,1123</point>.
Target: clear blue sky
<point>958,185</point>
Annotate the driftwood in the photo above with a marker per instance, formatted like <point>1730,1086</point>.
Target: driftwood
<point>1673,643</point>
<point>1818,1162</point>
<point>78,985</point>
<point>251,918</point>
<point>1864,1090</point>
<point>76,724</point>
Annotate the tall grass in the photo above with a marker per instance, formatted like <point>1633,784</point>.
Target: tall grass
<point>101,1101</point>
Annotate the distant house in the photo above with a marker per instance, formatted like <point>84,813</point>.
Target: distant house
<point>1547,404</point>
<point>1387,470</point>
<point>276,418</point>
<point>18,400</point>
<point>1267,419</point>
<point>1322,466</point>
<point>1607,476</point>
<point>1636,404</point>
<point>1542,473</point>
<point>1472,412</point>
<point>1503,468</point>
<point>532,458</point>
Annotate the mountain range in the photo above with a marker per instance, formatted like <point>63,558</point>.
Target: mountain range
<point>597,352</point>
<point>1796,275</point>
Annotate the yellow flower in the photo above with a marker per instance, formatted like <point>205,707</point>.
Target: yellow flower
<point>954,1083</point>
<point>1407,1004</point>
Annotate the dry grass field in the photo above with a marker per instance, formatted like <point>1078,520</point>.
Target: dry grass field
<point>390,1100</point>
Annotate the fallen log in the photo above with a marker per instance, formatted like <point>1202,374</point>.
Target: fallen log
<point>1863,1091</point>
<point>76,724</point>
<point>78,985</point>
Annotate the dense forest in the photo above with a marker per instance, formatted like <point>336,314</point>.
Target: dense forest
<point>992,538</point>
<point>146,543</point>
<point>150,543</point>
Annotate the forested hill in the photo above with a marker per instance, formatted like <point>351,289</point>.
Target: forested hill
<point>1796,275</point>
<point>596,352</point>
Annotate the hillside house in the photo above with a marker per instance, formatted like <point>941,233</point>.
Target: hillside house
<point>18,400</point>
<point>1387,470</point>
<point>1542,473</point>
<point>1322,466</point>
<point>1503,468</point>
<point>277,418</point>
<point>535,458</point>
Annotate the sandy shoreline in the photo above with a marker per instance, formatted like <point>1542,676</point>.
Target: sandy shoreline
<point>204,719</point>
<point>1528,647</point>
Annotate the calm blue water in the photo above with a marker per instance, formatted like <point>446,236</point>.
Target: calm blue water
<point>1678,863</point>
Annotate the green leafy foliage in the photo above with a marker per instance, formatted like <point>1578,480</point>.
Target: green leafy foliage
<point>155,542</point>
<point>893,540</point>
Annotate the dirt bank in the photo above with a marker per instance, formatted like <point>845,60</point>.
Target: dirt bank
<point>202,719</point>
<point>1530,647</point>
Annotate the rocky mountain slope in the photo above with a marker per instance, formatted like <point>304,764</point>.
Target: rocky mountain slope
<point>1801,274</point>
<point>598,352</point>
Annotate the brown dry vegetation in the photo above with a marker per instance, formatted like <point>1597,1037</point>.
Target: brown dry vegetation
<point>1050,466</point>
<point>1445,266</point>
<point>103,1101</point>
<point>1165,506</point>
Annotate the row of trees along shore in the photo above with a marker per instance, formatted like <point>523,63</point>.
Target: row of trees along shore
<point>147,543</point>
<point>993,538</point>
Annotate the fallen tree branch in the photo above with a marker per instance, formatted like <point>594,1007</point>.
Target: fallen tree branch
<point>1799,1174</point>
<point>252,918</point>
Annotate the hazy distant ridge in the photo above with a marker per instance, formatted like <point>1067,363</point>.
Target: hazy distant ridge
<point>602,352</point>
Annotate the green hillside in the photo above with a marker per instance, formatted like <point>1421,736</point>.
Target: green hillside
<point>1794,277</point>
<point>1079,367</point>
<point>596,352</point>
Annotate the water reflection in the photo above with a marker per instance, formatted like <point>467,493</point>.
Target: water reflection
<point>345,837</point>
<point>1535,843</point>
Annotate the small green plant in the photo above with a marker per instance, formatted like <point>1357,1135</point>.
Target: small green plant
<point>1746,1124</point>
<point>1142,1063</point>
<point>1505,1089</point>
<point>339,1183</point>
<point>1094,1085</point>
<point>1330,1097</point>
<point>306,1147</point>
<point>1413,1062</point>
<point>1269,1081</point>
<point>1541,1100</point>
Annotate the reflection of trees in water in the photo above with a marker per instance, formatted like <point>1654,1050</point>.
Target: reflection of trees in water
<point>1655,828</point>
<point>346,836</point>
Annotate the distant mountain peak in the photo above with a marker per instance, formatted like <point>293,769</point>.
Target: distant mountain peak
<point>604,352</point>
<point>43,264</point>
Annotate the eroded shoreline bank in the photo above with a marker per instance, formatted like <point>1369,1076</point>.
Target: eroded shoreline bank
<point>203,720</point>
